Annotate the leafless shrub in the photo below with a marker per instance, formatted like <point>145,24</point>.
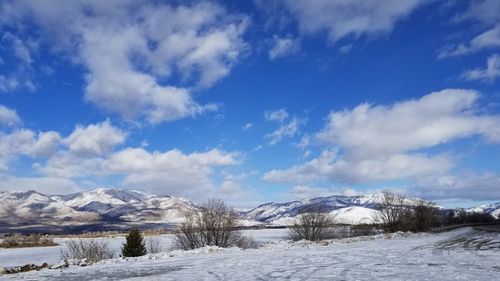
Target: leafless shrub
<point>20,241</point>
<point>247,243</point>
<point>153,245</point>
<point>90,251</point>
<point>214,225</point>
<point>392,211</point>
<point>313,225</point>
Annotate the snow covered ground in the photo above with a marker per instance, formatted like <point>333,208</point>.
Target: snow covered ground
<point>463,254</point>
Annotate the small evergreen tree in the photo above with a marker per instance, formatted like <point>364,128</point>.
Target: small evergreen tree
<point>134,247</point>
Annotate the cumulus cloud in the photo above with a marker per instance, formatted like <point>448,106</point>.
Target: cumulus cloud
<point>170,172</point>
<point>93,152</point>
<point>329,166</point>
<point>46,144</point>
<point>283,46</point>
<point>26,142</point>
<point>433,119</point>
<point>379,143</point>
<point>9,117</point>
<point>132,49</point>
<point>95,139</point>
<point>339,18</point>
<point>488,74</point>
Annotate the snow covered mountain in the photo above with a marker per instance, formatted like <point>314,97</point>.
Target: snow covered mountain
<point>493,209</point>
<point>117,208</point>
<point>347,209</point>
<point>88,207</point>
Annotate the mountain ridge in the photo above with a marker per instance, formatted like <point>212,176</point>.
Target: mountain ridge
<point>109,208</point>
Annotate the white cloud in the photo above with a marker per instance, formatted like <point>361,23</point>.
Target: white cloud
<point>380,143</point>
<point>283,46</point>
<point>340,18</point>
<point>95,139</point>
<point>285,130</point>
<point>91,151</point>
<point>304,142</point>
<point>247,126</point>
<point>288,127</point>
<point>487,40</point>
<point>26,142</point>
<point>46,144</point>
<point>65,164</point>
<point>21,49</point>
<point>47,185</point>
<point>237,194</point>
<point>485,11</point>
<point>471,186</point>
<point>433,119</point>
<point>9,117</point>
<point>300,192</point>
<point>329,166</point>
<point>8,84</point>
<point>170,172</point>
<point>131,49</point>
<point>488,74</point>
<point>279,115</point>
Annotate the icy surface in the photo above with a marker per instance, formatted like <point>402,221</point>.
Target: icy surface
<point>464,254</point>
<point>51,255</point>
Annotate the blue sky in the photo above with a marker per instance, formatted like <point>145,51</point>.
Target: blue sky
<point>252,101</point>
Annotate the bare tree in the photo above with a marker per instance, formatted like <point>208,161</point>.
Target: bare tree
<point>214,225</point>
<point>313,225</point>
<point>392,210</point>
<point>424,216</point>
<point>90,251</point>
<point>153,245</point>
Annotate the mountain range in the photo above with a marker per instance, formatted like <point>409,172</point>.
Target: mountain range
<point>112,209</point>
<point>99,209</point>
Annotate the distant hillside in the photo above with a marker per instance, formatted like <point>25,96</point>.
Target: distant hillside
<point>102,207</point>
<point>110,209</point>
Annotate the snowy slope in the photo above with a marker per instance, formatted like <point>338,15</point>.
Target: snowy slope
<point>493,209</point>
<point>34,207</point>
<point>111,205</point>
<point>346,209</point>
<point>118,206</point>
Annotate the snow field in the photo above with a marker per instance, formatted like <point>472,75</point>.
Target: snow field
<point>445,256</point>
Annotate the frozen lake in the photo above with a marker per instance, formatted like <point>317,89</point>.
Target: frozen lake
<point>51,255</point>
